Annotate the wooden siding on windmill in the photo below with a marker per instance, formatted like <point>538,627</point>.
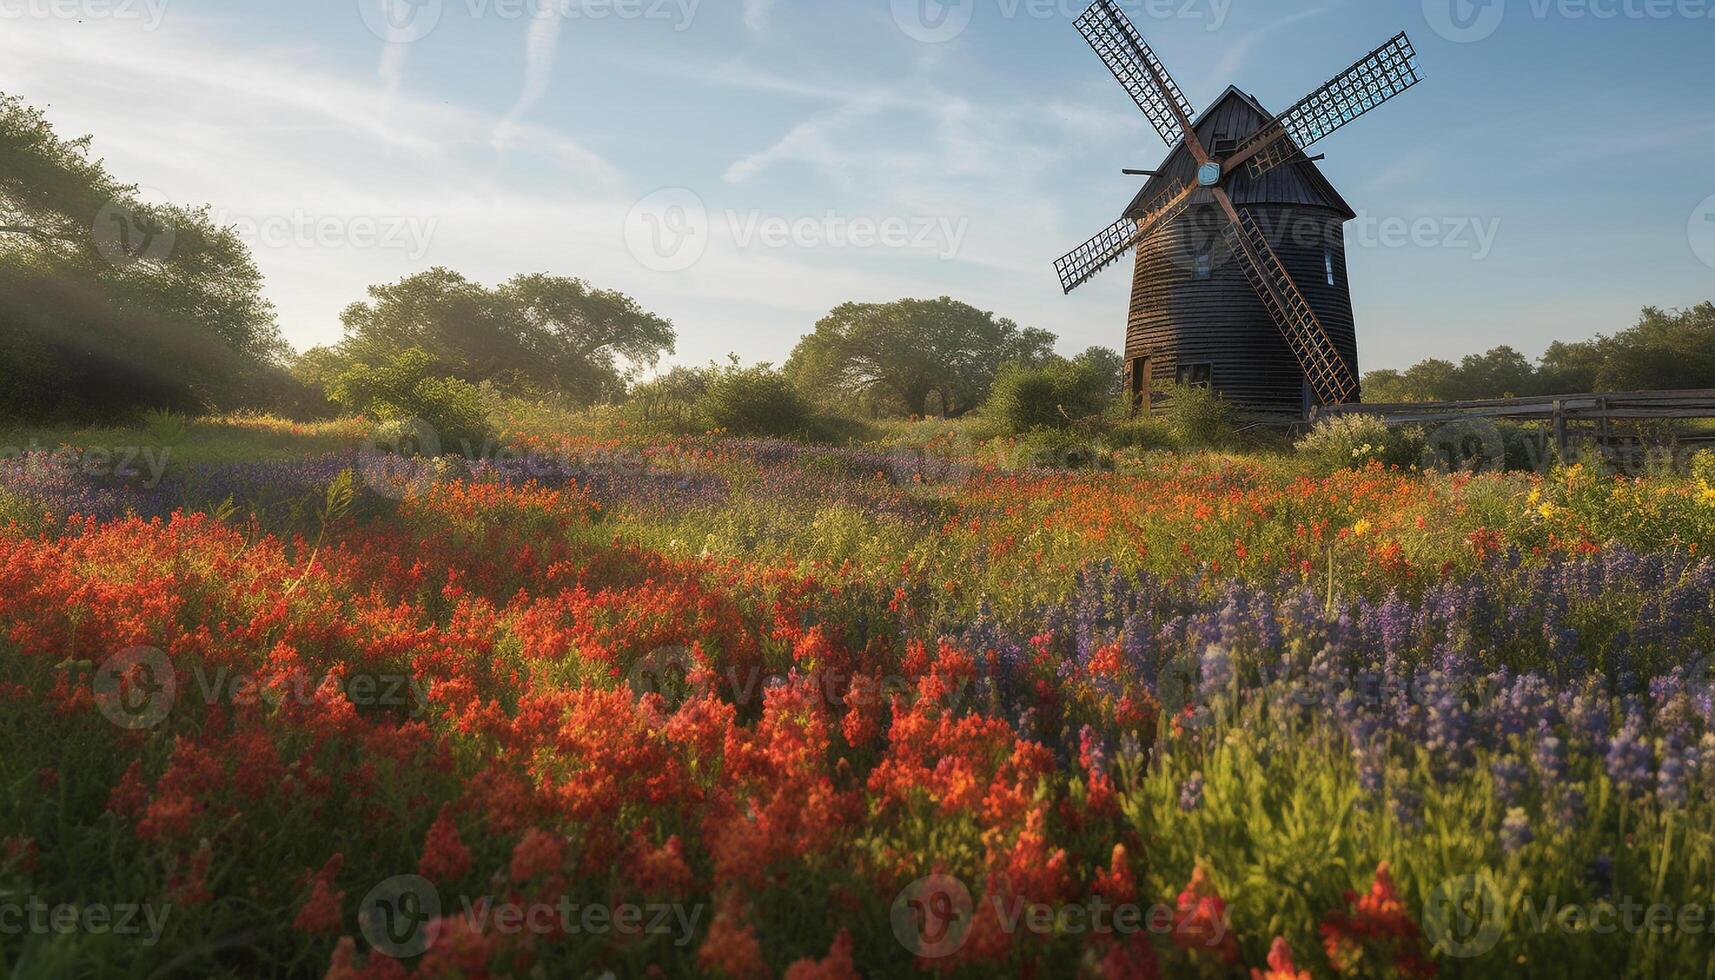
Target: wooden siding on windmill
<point>1178,319</point>
<point>1180,316</point>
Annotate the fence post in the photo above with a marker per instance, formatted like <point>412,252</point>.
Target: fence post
<point>1560,437</point>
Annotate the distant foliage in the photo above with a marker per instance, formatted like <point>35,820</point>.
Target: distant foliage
<point>754,401</point>
<point>1198,418</point>
<point>109,305</point>
<point>1703,467</point>
<point>535,336</point>
<point>403,391</point>
<point>917,357</point>
<point>1355,441</point>
<point>1666,350</point>
<point>1053,395</point>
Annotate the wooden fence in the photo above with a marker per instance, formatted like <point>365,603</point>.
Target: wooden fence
<point>1616,420</point>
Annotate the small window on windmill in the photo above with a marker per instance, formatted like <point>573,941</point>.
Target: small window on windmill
<point>1225,146</point>
<point>1196,375</point>
<point>1203,265</point>
<point>1328,262</point>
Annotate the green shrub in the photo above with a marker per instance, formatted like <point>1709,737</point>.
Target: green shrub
<point>1059,449</point>
<point>1198,418</point>
<point>1142,431</point>
<point>1052,395</point>
<point>446,414</point>
<point>754,401</point>
<point>1703,467</point>
<point>1352,441</point>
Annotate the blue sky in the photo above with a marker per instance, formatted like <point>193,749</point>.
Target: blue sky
<point>742,166</point>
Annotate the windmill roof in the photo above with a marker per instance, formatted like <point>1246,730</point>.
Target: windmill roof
<point>1237,116</point>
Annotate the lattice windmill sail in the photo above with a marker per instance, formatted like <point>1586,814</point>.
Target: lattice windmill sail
<point>1219,301</point>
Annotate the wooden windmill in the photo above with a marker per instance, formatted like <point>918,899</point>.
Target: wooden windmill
<point>1240,282</point>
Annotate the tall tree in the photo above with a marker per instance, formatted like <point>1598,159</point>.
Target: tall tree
<point>534,335</point>
<point>110,304</point>
<point>928,354</point>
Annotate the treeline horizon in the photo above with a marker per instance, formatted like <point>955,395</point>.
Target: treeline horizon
<point>110,307</point>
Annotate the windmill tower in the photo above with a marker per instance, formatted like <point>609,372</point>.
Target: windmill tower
<point>1240,278</point>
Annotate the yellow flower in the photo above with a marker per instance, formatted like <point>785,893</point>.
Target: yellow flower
<point>1709,495</point>
<point>1536,496</point>
<point>1362,528</point>
<point>1548,511</point>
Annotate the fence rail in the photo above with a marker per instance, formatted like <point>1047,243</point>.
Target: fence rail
<point>1599,410</point>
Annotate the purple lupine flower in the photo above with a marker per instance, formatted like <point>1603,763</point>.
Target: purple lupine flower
<point>1677,764</point>
<point>1510,776</point>
<point>1406,806</point>
<point>1515,831</point>
<point>1600,876</point>
<point>1191,793</point>
<point>1217,672</point>
<point>1629,757</point>
<point>1569,808</point>
<point>1549,756</point>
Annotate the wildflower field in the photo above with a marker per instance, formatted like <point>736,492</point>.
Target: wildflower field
<point>623,705</point>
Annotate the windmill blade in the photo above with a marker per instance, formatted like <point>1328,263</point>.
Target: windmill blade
<point>1330,376</point>
<point>1382,74</point>
<point>1138,70</point>
<point>1081,264</point>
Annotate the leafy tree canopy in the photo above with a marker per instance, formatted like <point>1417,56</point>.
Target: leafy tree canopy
<point>535,335</point>
<point>110,304</point>
<point>921,354</point>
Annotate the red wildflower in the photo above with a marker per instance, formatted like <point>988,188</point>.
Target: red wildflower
<point>445,858</point>
<point>538,853</point>
<point>191,888</point>
<point>321,914</point>
<point>1280,965</point>
<point>1132,958</point>
<point>1375,932</point>
<point>1200,923</point>
<point>837,965</point>
<point>1116,883</point>
<point>344,966</point>
<point>730,948</point>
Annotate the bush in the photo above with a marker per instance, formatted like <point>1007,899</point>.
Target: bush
<point>1703,467</point>
<point>402,394</point>
<point>1198,418</point>
<point>1053,395</point>
<point>1058,449</point>
<point>754,401</point>
<point>1352,441</point>
<point>1142,431</point>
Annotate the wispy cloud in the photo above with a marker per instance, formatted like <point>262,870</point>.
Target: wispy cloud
<point>541,46</point>
<point>1239,54</point>
<point>756,13</point>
